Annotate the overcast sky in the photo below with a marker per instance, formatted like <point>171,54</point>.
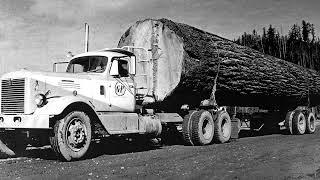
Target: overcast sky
<point>36,33</point>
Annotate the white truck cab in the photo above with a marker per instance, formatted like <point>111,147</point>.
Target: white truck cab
<point>97,90</point>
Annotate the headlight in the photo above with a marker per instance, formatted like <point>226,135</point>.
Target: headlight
<point>40,99</point>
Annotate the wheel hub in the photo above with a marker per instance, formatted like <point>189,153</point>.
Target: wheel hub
<point>225,128</point>
<point>301,124</point>
<point>206,129</point>
<point>76,134</point>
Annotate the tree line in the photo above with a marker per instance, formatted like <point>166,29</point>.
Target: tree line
<point>299,46</point>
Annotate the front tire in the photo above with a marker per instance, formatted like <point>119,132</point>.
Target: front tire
<point>72,136</point>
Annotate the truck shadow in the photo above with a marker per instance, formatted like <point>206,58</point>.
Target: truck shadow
<point>110,147</point>
<point>250,133</point>
<point>115,146</point>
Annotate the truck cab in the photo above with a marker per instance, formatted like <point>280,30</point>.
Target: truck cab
<point>99,95</point>
<point>97,86</point>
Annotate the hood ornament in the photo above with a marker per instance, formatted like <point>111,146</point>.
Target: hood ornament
<point>10,82</point>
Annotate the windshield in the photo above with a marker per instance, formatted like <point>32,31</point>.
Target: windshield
<point>95,64</point>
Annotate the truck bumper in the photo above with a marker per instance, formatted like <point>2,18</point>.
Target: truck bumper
<point>24,121</point>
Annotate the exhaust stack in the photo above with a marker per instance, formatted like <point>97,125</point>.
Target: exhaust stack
<point>86,43</point>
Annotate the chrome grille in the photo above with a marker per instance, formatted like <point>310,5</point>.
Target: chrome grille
<point>12,96</point>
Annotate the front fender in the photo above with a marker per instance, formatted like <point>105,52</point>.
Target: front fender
<point>56,106</point>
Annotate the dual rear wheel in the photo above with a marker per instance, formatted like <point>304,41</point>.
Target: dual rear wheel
<point>200,128</point>
<point>299,122</point>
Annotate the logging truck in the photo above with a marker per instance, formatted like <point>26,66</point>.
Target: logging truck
<point>167,77</point>
<point>97,98</point>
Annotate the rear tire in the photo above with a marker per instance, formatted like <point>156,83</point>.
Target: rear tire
<point>202,128</point>
<point>198,128</point>
<point>298,123</point>
<point>222,127</point>
<point>310,123</point>
<point>186,128</point>
<point>72,136</point>
<point>288,121</point>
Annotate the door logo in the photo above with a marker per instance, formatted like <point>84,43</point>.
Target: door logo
<point>120,89</point>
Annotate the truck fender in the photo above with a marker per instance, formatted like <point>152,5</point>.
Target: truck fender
<point>56,106</point>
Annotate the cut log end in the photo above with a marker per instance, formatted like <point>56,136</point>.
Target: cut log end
<point>166,54</point>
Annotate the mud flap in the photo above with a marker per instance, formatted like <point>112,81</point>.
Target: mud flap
<point>5,151</point>
<point>235,128</point>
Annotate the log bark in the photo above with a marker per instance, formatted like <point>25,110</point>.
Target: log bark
<point>185,65</point>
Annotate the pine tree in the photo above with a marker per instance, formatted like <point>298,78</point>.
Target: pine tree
<point>300,45</point>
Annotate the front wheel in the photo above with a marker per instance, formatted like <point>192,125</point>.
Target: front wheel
<point>72,136</point>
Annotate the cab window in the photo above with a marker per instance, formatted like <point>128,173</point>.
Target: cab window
<point>96,64</point>
<point>123,66</point>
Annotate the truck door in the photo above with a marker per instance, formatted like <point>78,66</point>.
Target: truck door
<point>121,88</point>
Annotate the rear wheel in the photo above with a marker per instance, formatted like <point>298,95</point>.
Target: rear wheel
<point>72,136</point>
<point>202,128</point>
<point>288,121</point>
<point>222,127</point>
<point>298,122</point>
<point>186,128</point>
<point>198,128</point>
<point>310,123</point>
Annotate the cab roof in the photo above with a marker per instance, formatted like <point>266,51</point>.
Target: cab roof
<point>113,51</point>
<point>118,50</point>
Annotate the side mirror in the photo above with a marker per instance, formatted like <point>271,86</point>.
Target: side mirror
<point>114,71</point>
<point>133,65</point>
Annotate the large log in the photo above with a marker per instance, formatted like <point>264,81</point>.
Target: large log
<point>186,61</point>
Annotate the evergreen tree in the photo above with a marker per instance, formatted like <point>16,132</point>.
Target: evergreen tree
<point>300,45</point>
<point>306,29</point>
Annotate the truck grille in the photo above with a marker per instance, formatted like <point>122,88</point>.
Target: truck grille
<point>12,96</point>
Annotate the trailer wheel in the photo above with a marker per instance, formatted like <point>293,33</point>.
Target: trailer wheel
<point>298,122</point>
<point>222,127</point>
<point>288,121</point>
<point>310,123</point>
<point>72,136</point>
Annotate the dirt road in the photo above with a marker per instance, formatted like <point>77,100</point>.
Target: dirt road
<point>264,157</point>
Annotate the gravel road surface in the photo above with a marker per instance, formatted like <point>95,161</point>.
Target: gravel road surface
<point>274,156</point>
